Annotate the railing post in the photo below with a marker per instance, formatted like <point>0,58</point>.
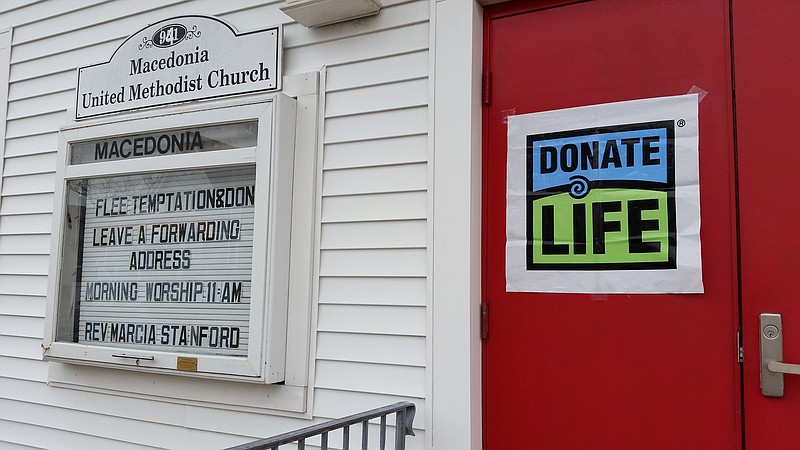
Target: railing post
<point>400,430</point>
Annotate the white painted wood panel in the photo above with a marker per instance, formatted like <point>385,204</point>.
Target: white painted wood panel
<point>373,378</point>
<point>394,41</point>
<point>60,62</point>
<point>42,141</point>
<point>73,19</point>
<point>392,15</point>
<point>25,285</point>
<point>21,305</point>
<point>396,178</point>
<point>21,326</point>
<point>33,436</point>
<point>252,426</point>
<point>42,86</point>
<point>27,224</point>
<point>373,291</point>
<point>392,206</point>
<point>36,106</point>
<point>40,10</point>
<point>29,184</point>
<point>380,349</point>
<point>331,404</point>
<point>22,369</point>
<point>10,5</point>
<point>396,320</point>
<point>29,244</point>
<point>31,164</point>
<point>26,204</point>
<point>373,262</point>
<point>166,413</point>
<point>114,428</point>
<point>24,264</point>
<point>366,235</point>
<point>405,66</point>
<point>44,124</point>
<point>20,347</point>
<point>401,122</point>
<point>376,152</point>
<point>382,97</point>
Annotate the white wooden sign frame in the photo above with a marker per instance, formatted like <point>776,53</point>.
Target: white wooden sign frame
<point>273,159</point>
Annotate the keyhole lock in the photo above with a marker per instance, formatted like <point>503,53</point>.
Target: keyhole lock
<point>771,332</point>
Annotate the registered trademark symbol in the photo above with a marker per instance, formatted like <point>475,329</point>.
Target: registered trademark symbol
<point>681,123</point>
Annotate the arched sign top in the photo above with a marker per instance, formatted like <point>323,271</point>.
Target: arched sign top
<point>177,60</point>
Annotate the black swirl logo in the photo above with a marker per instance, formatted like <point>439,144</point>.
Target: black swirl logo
<point>579,187</point>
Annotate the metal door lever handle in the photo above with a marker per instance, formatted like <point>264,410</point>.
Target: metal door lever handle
<point>781,367</point>
<point>772,367</point>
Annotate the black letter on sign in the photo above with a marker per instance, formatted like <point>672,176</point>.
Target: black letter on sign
<point>549,247</point>
<point>636,225</point>
<point>600,226</point>
<point>548,154</point>
<point>579,228</point>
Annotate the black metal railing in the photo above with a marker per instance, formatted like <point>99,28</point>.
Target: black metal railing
<point>404,419</point>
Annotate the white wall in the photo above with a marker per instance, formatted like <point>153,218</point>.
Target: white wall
<point>372,289</point>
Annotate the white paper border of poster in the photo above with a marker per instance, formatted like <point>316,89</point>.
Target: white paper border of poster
<point>686,277</point>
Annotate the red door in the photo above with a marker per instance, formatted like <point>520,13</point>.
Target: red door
<point>767,72</point>
<point>644,371</point>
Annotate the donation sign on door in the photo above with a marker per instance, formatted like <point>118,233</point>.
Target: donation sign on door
<point>605,199</point>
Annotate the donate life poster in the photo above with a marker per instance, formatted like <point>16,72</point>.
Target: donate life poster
<point>605,199</point>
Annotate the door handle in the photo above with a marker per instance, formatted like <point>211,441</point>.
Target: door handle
<point>779,367</point>
<point>772,366</point>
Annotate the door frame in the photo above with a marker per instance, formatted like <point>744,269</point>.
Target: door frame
<point>455,393</point>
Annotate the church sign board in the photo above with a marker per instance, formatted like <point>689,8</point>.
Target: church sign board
<point>181,59</point>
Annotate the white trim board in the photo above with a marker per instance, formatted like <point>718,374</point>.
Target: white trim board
<point>456,415</point>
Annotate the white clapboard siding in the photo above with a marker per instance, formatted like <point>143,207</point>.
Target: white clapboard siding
<point>365,180</point>
<point>21,305</point>
<point>392,42</point>
<point>370,332</point>
<point>328,403</point>
<point>23,12</point>
<point>20,347</point>
<point>30,164</point>
<point>21,368</point>
<point>387,206</point>
<point>23,285</point>
<point>28,184</point>
<point>398,291</point>
<point>398,122</point>
<point>382,349</point>
<point>113,428</point>
<point>373,262</point>
<point>402,67</point>
<point>26,204</point>
<point>401,94</point>
<point>27,244</point>
<point>24,264</point>
<point>35,106</point>
<point>42,86</point>
<point>26,224</point>
<point>392,320</point>
<point>380,152</point>
<point>18,434</point>
<point>370,235</point>
<point>376,378</point>
<point>38,143</point>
